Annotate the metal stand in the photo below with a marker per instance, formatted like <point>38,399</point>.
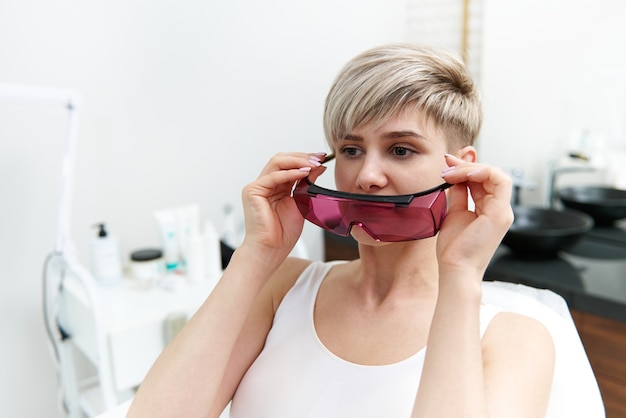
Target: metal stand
<point>78,398</point>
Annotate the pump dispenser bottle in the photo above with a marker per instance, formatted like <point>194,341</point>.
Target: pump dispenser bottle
<point>106,262</point>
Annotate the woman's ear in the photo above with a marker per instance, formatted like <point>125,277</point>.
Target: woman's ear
<point>467,154</point>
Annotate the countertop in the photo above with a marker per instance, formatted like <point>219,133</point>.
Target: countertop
<point>591,276</point>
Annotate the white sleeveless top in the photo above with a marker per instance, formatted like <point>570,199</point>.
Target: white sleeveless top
<point>296,376</point>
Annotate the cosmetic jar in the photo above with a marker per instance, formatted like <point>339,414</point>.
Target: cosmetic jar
<point>147,264</point>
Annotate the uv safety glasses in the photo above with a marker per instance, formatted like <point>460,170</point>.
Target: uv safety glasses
<point>385,218</point>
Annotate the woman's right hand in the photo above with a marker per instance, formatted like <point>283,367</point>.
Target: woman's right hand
<point>272,219</point>
<point>273,226</point>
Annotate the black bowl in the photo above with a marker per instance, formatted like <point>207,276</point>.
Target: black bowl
<point>540,232</point>
<point>604,204</point>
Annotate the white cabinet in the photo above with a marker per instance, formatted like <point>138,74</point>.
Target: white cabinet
<point>121,329</point>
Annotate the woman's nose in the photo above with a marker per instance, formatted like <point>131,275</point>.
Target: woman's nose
<point>371,176</point>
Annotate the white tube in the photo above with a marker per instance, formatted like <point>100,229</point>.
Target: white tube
<point>188,218</point>
<point>168,229</point>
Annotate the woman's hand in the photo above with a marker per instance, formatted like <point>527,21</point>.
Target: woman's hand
<point>467,239</point>
<point>272,219</point>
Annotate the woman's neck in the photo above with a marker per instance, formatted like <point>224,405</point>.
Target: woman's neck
<point>399,270</point>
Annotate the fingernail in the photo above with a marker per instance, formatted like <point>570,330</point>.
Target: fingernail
<point>315,161</point>
<point>304,169</point>
<point>471,173</point>
<point>448,170</point>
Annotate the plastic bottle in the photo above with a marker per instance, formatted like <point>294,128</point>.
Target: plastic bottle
<point>212,251</point>
<point>229,227</point>
<point>106,262</point>
<point>195,263</point>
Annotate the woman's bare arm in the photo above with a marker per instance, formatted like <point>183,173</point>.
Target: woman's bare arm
<point>460,373</point>
<point>506,374</point>
<point>255,330</point>
<point>186,378</point>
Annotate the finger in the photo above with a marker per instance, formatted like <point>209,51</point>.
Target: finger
<point>457,198</point>
<point>278,181</point>
<point>316,172</point>
<point>491,181</point>
<point>287,161</point>
<point>281,172</point>
<point>458,169</point>
<point>491,189</point>
<point>481,179</point>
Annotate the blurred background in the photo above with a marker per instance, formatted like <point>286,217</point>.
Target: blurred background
<point>184,102</point>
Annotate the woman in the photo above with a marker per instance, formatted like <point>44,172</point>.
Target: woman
<point>399,332</point>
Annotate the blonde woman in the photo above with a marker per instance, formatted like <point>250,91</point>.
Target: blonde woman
<point>400,332</point>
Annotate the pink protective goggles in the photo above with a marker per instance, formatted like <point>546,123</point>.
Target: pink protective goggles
<point>385,218</point>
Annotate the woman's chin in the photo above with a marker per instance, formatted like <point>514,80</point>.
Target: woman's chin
<point>363,237</point>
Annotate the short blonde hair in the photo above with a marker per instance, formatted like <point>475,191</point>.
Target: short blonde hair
<point>381,82</point>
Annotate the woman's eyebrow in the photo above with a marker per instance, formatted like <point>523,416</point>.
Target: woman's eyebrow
<point>387,135</point>
<point>350,137</point>
<point>400,134</point>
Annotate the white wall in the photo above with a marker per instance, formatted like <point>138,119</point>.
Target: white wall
<point>551,69</point>
<point>183,103</point>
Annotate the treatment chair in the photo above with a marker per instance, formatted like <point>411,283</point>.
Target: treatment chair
<point>575,391</point>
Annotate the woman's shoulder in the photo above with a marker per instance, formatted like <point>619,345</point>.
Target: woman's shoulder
<point>514,338</point>
<point>285,277</point>
<point>519,362</point>
<point>513,327</point>
<point>293,269</point>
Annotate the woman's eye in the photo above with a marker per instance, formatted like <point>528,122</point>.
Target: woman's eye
<point>350,152</point>
<point>401,151</point>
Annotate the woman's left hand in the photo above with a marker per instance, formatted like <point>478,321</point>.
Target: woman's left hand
<point>468,239</point>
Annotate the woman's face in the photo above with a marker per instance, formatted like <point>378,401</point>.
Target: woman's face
<point>403,156</point>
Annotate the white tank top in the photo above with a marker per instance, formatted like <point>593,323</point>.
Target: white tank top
<point>296,376</point>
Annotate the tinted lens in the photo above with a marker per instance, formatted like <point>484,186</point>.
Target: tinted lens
<point>386,222</point>
<point>323,211</point>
